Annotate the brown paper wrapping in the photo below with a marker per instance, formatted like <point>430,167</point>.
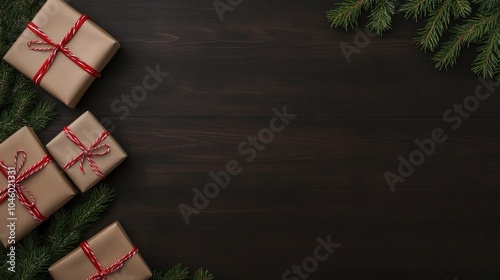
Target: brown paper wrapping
<point>87,128</point>
<point>109,245</point>
<point>49,186</point>
<point>64,80</point>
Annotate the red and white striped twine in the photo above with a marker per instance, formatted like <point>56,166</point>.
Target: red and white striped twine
<point>24,196</point>
<point>87,153</point>
<point>101,272</point>
<point>55,48</point>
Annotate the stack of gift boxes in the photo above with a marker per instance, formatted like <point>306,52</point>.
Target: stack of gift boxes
<point>63,51</point>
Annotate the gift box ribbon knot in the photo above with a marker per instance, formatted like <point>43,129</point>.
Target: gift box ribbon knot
<point>88,153</point>
<point>101,272</point>
<point>55,48</point>
<point>28,201</point>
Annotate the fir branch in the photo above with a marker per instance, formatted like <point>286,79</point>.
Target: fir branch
<point>6,82</point>
<point>487,5</point>
<point>381,16</point>
<point>41,115</point>
<point>469,32</point>
<point>176,273</point>
<point>481,25</point>
<point>439,18</point>
<point>347,14</point>
<point>418,8</point>
<point>32,258</point>
<point>18,102</point>
<point>487,62</point>
<point>460,8</point>
<point>181,273</point>
<point>67,227</point>
<point>202,274</point>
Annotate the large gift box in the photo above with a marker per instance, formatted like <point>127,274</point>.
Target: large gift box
<point>30,180</point>
<point>63,51</point>
<point>109,254</point>
<point>86,151</point>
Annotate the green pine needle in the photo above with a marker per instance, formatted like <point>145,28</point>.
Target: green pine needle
<point>418,8</point>
<point>347,14</point>
<point>18,98</point>
<point>179,272</point>
<point>176,273</point>
<point>67,227</point>
<point>202,274</point>
<point>438,21</point>
<point>487,61</point>
<point>476,22</point>
<point>463,35</point>
<point>381,16</point>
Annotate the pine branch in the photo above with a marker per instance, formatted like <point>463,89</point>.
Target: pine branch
<point>460,8</point>
<point>480,26</point>
<point>487,5</point>
<point>438,21</point>
<point>418,8</point>
<point>347,14</point>
<point>202,274</point>
<point>469,32</point>
<point>176,273</point>
<point>487,62</point>
<point>67,227</point>
<point>6,81</point>
<point>18,102</point>
<point>381,16</point>
<point>181,273</point>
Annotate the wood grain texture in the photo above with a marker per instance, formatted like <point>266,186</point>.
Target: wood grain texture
<point>323,174</point>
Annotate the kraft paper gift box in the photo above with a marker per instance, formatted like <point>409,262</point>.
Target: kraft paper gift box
<point>64,79</point>
<point>87,129</point>
<point>46,184</point>
<point>108,246</point>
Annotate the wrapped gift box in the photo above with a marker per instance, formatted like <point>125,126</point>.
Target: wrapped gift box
<point>48,187</point>
<point>106,154</point>
<point>108,247</point>
<point>64,78</point>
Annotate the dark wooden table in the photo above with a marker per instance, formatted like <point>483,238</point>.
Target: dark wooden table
<point>323,174</point>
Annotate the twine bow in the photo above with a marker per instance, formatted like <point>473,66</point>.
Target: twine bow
<point>87,153</point>
<point>23,195</point>
<point>101,272</point>
<point>55,48</point>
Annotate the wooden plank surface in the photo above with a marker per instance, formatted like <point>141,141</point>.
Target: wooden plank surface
<point>323,174</point>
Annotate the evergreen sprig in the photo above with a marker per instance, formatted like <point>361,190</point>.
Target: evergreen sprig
<point>42,247</point>
<point>179,272</point>
<point>18,100</point>
<point>475,22</point>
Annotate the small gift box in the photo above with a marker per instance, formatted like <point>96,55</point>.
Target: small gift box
<point>63,51</point>
<point>32,185</point>
<point>107,255</point>
<point>86,151</point>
